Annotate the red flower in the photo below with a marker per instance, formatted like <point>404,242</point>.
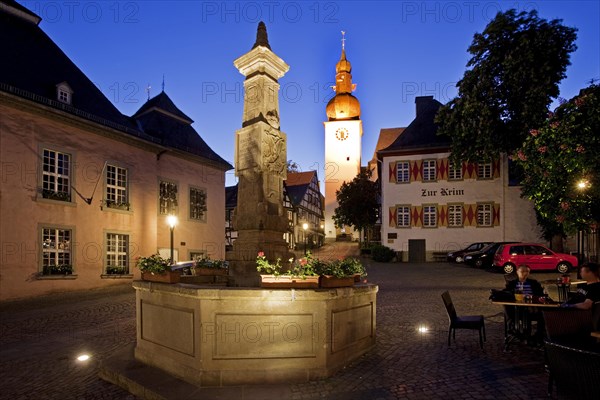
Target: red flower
<point>521,155</point>
<point>534,132</point>
<point>564,205</point>
<point>560,219</point>
<point>543,149</point>
<point>580,149</point>
<point>261,254</point>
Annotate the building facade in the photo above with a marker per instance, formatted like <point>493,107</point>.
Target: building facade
<point>343,138</point>
<point>430,205</point>
<point>85,189</point>
<point>305,195</point>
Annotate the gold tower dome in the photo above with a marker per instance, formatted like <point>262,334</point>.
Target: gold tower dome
<point>343,105</point>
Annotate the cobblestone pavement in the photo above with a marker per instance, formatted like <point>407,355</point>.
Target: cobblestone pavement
<point>39,340</point>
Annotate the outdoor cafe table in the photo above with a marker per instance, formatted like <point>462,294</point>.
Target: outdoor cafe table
<point>522,322</point>
<point>563,287</point>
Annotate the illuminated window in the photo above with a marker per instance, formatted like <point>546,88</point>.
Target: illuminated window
<point>167,198</point>
<point>56,251</point>
<point>198,204</point>
<point>403,216</point>
<point>402,172</point>
<point>484,214</point>
<point>429,216</point>
<point>116,187</point>
<point>484,170</point>
<point>455,215</point>
<point>454,172</point>
<point>117,253</point>
<point>56,175</point>
<point>429,169</point>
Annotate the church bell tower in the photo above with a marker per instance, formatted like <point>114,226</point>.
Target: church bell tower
<point>343,136</point>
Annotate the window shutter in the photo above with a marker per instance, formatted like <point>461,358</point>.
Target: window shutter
<point>393,217</point>
<point>416,216</point>
<point>442,215</point>
<point>496,216</point>
<point>496,169</point>
<point>416,170</point>
<point>393,174</point>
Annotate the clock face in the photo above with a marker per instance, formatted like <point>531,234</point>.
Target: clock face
<point>341,134</point>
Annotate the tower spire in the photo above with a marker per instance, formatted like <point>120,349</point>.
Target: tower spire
<point>343,40</point>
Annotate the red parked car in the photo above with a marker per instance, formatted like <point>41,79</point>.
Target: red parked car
<point>537,257</point>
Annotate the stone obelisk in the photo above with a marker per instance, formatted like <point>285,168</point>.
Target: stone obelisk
<point>260,165</point>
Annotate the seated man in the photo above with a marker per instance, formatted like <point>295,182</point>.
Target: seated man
<point>527,286</point>
<point>588,293</point>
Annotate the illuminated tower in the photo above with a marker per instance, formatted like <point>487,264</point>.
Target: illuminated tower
<point>343,133</point>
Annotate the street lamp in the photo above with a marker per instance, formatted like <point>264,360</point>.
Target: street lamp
<point>582,185</point>
<point>305,227</point>
<point>172,221</point>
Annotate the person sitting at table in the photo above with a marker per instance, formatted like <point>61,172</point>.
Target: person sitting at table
<point>527,286</point>
<point>589,293</point>
<point>524,283</point>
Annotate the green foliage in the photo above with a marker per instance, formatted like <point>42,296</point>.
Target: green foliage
<point>154,264</point>
<point>309,266</point>
<point>206,262</point>
<point>516,66</point>
<point>358,203</point>
<point>382,253</point>
<point>115,270</point>
<point>60,269</point>
<point>557,157</point>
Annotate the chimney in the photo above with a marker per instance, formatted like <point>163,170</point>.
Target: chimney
<point>423,104</point>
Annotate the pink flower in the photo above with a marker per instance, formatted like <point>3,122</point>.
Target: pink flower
<point>580,149</point>
<point>564,205</point>
<point>521,155</point>
<point>534,132</point>
<point>543,149</point>
<point>261,254</point>
<point>560,219</point>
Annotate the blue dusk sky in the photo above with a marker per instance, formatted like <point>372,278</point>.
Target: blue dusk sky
<point>398,50</point>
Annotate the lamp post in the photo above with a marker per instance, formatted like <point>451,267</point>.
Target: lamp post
<point>582,186</point>
<point>305,227</point>
<point>172,221</point>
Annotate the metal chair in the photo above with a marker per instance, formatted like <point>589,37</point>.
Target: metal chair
<point>465,322</point>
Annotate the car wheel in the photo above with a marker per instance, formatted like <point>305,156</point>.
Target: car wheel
<point>563,267</point>
<point>478,263</point>
<point>509,268</point>
<point>459,259</point>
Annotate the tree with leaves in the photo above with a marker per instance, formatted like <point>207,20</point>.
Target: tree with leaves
<point>358,203</point>
<point>561,164</point>
<point>516,66</point>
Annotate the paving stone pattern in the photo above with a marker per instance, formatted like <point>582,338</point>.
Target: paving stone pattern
<point>40,338</point>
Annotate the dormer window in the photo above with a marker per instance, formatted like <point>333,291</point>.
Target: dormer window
<point>64,93</point>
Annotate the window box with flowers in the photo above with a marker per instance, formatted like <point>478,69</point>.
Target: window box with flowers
<point>116,205</point>
<point>204,266</point>
<point>60,269</point>
<point>157,269</point>
<point>300,273</point>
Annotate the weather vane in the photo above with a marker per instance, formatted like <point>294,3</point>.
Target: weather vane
<point>163,83</point>
<point>343,40</point>
<point>148,90</point>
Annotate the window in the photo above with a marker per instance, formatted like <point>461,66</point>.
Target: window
<point>117,254</point>
<point>484,170</point>
<point>198,204</point>
<point>429,216</point>
<point>116,187</point>
<point>403,213</point>
<point>167,198</point>
<point>484,214</point>
<point>454,172</point>
<point>402,172</point>
<point>429,167</point>
<point>64,96</point>
<point>56,251</point>
<point>56,175</point>
<point>455,215</point>
<point>194,255</point>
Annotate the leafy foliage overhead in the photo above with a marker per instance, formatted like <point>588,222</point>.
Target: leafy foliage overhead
<point>561,164</point>
<point>516,66</point>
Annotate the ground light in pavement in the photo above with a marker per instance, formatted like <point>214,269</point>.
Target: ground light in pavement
<point>423,329</point>
<point>83,357</point>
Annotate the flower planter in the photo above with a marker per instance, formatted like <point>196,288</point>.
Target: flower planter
<point>289,282</point>
<point>167,277</point>
<point>203,271</point>
<point>328,281</point>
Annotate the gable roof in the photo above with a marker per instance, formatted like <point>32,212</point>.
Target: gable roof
<point>161,119</point>
<point>297,184</point>
<point>37,66</point>
<point>421,134</point>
